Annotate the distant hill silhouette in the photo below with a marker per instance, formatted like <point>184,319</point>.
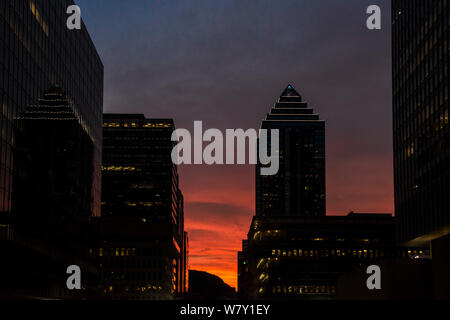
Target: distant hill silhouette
<point>204,285</point>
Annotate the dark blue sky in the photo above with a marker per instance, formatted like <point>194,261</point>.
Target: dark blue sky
<point>226,62</point>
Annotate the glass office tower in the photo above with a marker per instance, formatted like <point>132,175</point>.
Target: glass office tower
<point>298,189</point>
<point>38,51</point>
<point>420,44</point>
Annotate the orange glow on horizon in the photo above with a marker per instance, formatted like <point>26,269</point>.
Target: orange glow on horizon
<point>219,206</point>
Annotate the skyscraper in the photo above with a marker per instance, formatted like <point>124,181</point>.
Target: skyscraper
<point>53,165</point>
<point>38,51</point>
<point>420,44</point>
<point>143,244</point>
<point>293,250</point>
<point>298,189</point>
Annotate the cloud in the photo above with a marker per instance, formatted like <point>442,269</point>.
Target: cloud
<point>225,62</point>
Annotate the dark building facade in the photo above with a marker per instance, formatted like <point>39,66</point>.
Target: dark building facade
<point>420,42</point>
<point>54,169</point>
<point>143,244</point>
<point>37,51</point>
<point>299,186</point>
<point>303,257</point>
<point>424,277</point>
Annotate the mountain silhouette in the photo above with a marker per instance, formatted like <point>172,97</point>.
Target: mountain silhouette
<point>207,286</point>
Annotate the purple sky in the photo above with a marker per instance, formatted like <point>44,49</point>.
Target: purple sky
<point>225,63</point>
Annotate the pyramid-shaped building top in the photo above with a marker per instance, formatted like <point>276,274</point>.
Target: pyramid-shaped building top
<point>290,108</point>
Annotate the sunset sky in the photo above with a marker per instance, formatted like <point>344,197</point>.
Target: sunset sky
<point>225,63</point>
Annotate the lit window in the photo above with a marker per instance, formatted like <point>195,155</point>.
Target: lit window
<point>38,17</point>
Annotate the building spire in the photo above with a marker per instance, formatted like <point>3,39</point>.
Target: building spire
<point>290,92</point>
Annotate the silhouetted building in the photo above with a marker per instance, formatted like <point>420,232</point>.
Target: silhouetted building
<point>143,243</point>
<point>292,250</point>
<point>302,257</point>
<point>53,200</point>
<point>399,279</point>
<point>298,189</point>
<point>37,52</point>
<point>420,45</point>
<point>54,169</point>
<point>424,277</point>
<point>420,81</point>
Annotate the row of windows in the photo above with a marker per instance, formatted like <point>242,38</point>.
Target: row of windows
<point>152,166</point>
<point>136,125</point>
<point>366,253</point>
<point>132,288</point>
<point>119,168</point>
<point>125,252</point>
<point>131,296</point>
<point>144,204</point>
<point>303,290</point>
<point>132,276</point>
<point>267,234</point>
<point>131,263</point>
